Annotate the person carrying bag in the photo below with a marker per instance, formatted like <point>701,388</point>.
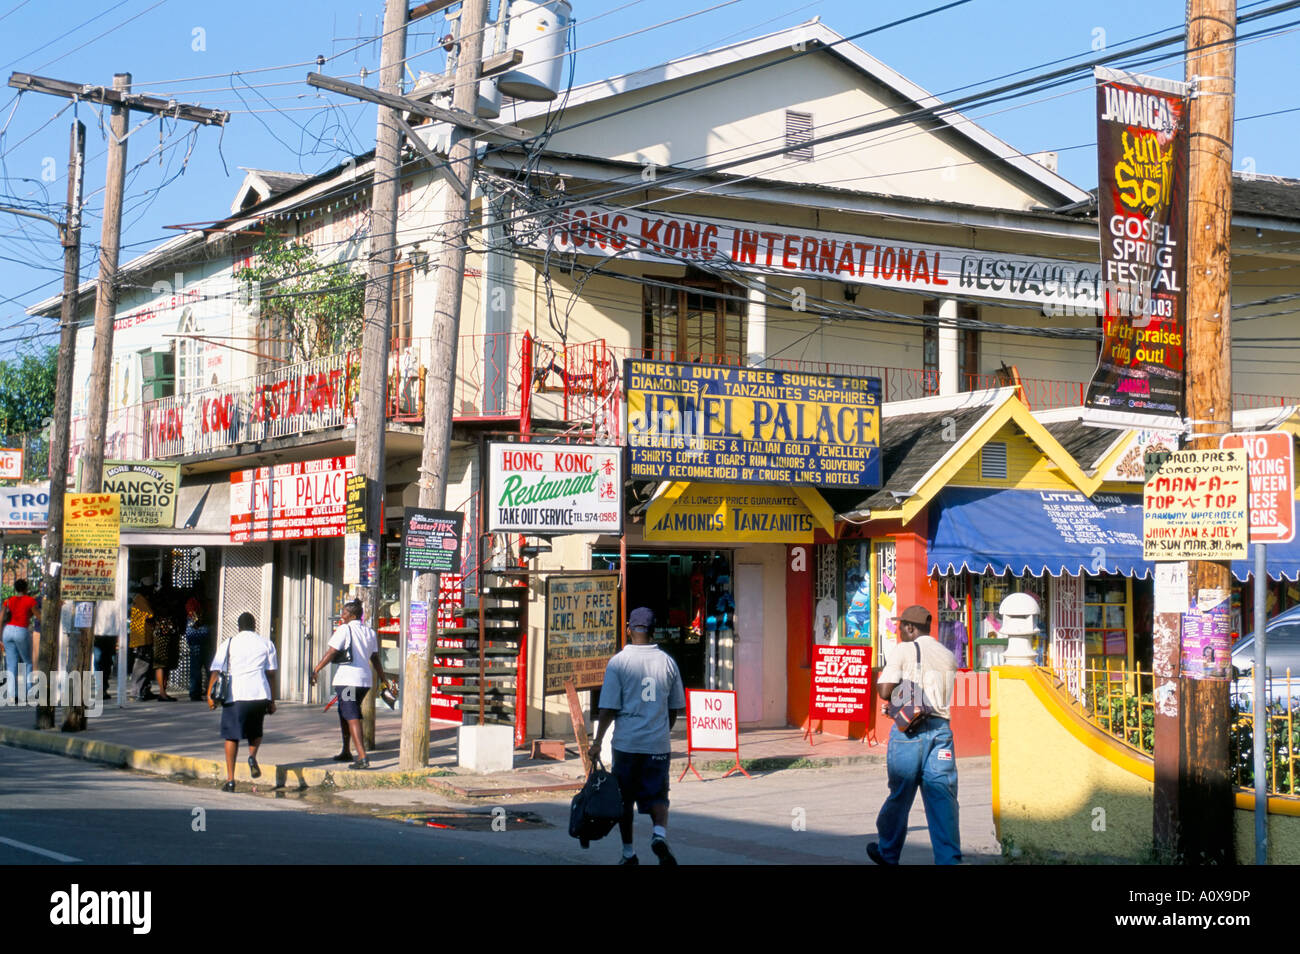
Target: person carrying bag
<point>917,685</point>
<point>245,681</point>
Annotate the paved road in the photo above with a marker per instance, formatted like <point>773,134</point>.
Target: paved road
<point>56,810</point>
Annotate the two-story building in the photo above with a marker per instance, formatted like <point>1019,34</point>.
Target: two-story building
<point>686,213</point>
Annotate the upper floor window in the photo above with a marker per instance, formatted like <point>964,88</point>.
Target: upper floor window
<point>968,349</point>
<point>189,354</point>
<point>403,314</point>
<point>694,320</point>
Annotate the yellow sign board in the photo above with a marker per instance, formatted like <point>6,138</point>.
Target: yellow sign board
<point>737,513</point>
<point>1194,506</point>
<point>91,524</point>
<point>147,491</point>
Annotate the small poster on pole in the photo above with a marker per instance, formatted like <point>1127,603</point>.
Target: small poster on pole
<point>431,540</point>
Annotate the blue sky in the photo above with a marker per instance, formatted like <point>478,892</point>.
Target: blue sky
<point>251,58</point>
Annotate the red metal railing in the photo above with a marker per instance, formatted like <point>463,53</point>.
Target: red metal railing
<point>1248,402</point>
<point>499,376</point>
<point>1040,394</point>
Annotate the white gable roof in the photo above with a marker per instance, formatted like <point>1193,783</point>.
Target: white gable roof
<point>812,35</point>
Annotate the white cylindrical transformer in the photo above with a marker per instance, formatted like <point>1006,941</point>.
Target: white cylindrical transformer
<point>540,30</point>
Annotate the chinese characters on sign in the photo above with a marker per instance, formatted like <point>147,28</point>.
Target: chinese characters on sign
<point>1142,214</point>
<point>841,683</point>
<point>581,629</point>
<point>90,545</point>
<point>752,425</point>
<point>1194,506</point>
<point>554,488</point>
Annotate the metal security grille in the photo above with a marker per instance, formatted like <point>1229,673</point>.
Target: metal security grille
<point>993,461</point>
<point>243,587</point>
<point>825,580</point>
<point>1066,649</point>
<point>798,130</point>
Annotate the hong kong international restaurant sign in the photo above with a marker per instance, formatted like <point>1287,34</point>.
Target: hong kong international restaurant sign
<point>704,422</point>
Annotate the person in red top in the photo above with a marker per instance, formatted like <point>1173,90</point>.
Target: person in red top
<point>19,610</point>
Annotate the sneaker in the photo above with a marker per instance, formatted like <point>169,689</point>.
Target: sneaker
<point>343,757</point>
<point>660,847</point>
<point>361,764</point>
<point>873,852</point>
<point>634,860</point>
<point>253,768</point>
<point>229,786</point>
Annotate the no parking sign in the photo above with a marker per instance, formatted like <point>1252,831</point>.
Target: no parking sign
<point>711,726</point>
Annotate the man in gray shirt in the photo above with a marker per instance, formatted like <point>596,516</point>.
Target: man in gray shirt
<point>642,695</point>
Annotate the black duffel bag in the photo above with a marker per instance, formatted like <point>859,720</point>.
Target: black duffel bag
<point>596,809</point>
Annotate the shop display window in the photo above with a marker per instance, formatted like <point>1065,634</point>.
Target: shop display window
<point>990,591</point>
<point>1106,612</point>
<point>886,600</point>
<point>856,594</point>
<point>952,627</point>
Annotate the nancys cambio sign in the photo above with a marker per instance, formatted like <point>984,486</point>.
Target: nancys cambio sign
<point>554,488</point>
<point>147,491</point>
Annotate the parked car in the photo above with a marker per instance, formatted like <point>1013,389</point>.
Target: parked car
<point>1283,652</point>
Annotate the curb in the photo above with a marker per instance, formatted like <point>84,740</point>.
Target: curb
<point>298,776</point>
<point>54,742</point>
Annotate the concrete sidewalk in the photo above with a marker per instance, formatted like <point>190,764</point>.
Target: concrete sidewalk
<point>183,739</point>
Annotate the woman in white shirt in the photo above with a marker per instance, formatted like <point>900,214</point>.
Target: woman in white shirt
<point>249,659</point>
<point>357,642</point>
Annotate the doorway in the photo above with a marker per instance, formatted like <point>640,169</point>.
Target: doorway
<point>690,592</point>
<point>296,637</point>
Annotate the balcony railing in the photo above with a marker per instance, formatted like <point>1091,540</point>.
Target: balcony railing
<point>501,376</point>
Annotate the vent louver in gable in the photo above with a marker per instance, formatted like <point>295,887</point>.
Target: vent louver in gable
<point>798,130</point>
<point>993,461</point>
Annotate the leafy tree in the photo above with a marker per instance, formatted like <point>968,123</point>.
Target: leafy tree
<point>316,306</point>
<point>27,392</point>
<point>27,406</point>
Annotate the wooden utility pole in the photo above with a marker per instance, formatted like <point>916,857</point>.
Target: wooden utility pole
<point>443,341</point>
<point>51,604</point>
<point>92,465</point>
<point>457,172</point>
<point>1205,803</point>
<point>372,415</point>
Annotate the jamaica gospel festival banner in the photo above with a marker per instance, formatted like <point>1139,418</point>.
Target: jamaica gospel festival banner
<point>1142,217</point>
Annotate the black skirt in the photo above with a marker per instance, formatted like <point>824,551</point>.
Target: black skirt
<point>243,720</point>
<point>166,645</point>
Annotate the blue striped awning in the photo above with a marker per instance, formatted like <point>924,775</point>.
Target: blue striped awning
<point>1033,532</point>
